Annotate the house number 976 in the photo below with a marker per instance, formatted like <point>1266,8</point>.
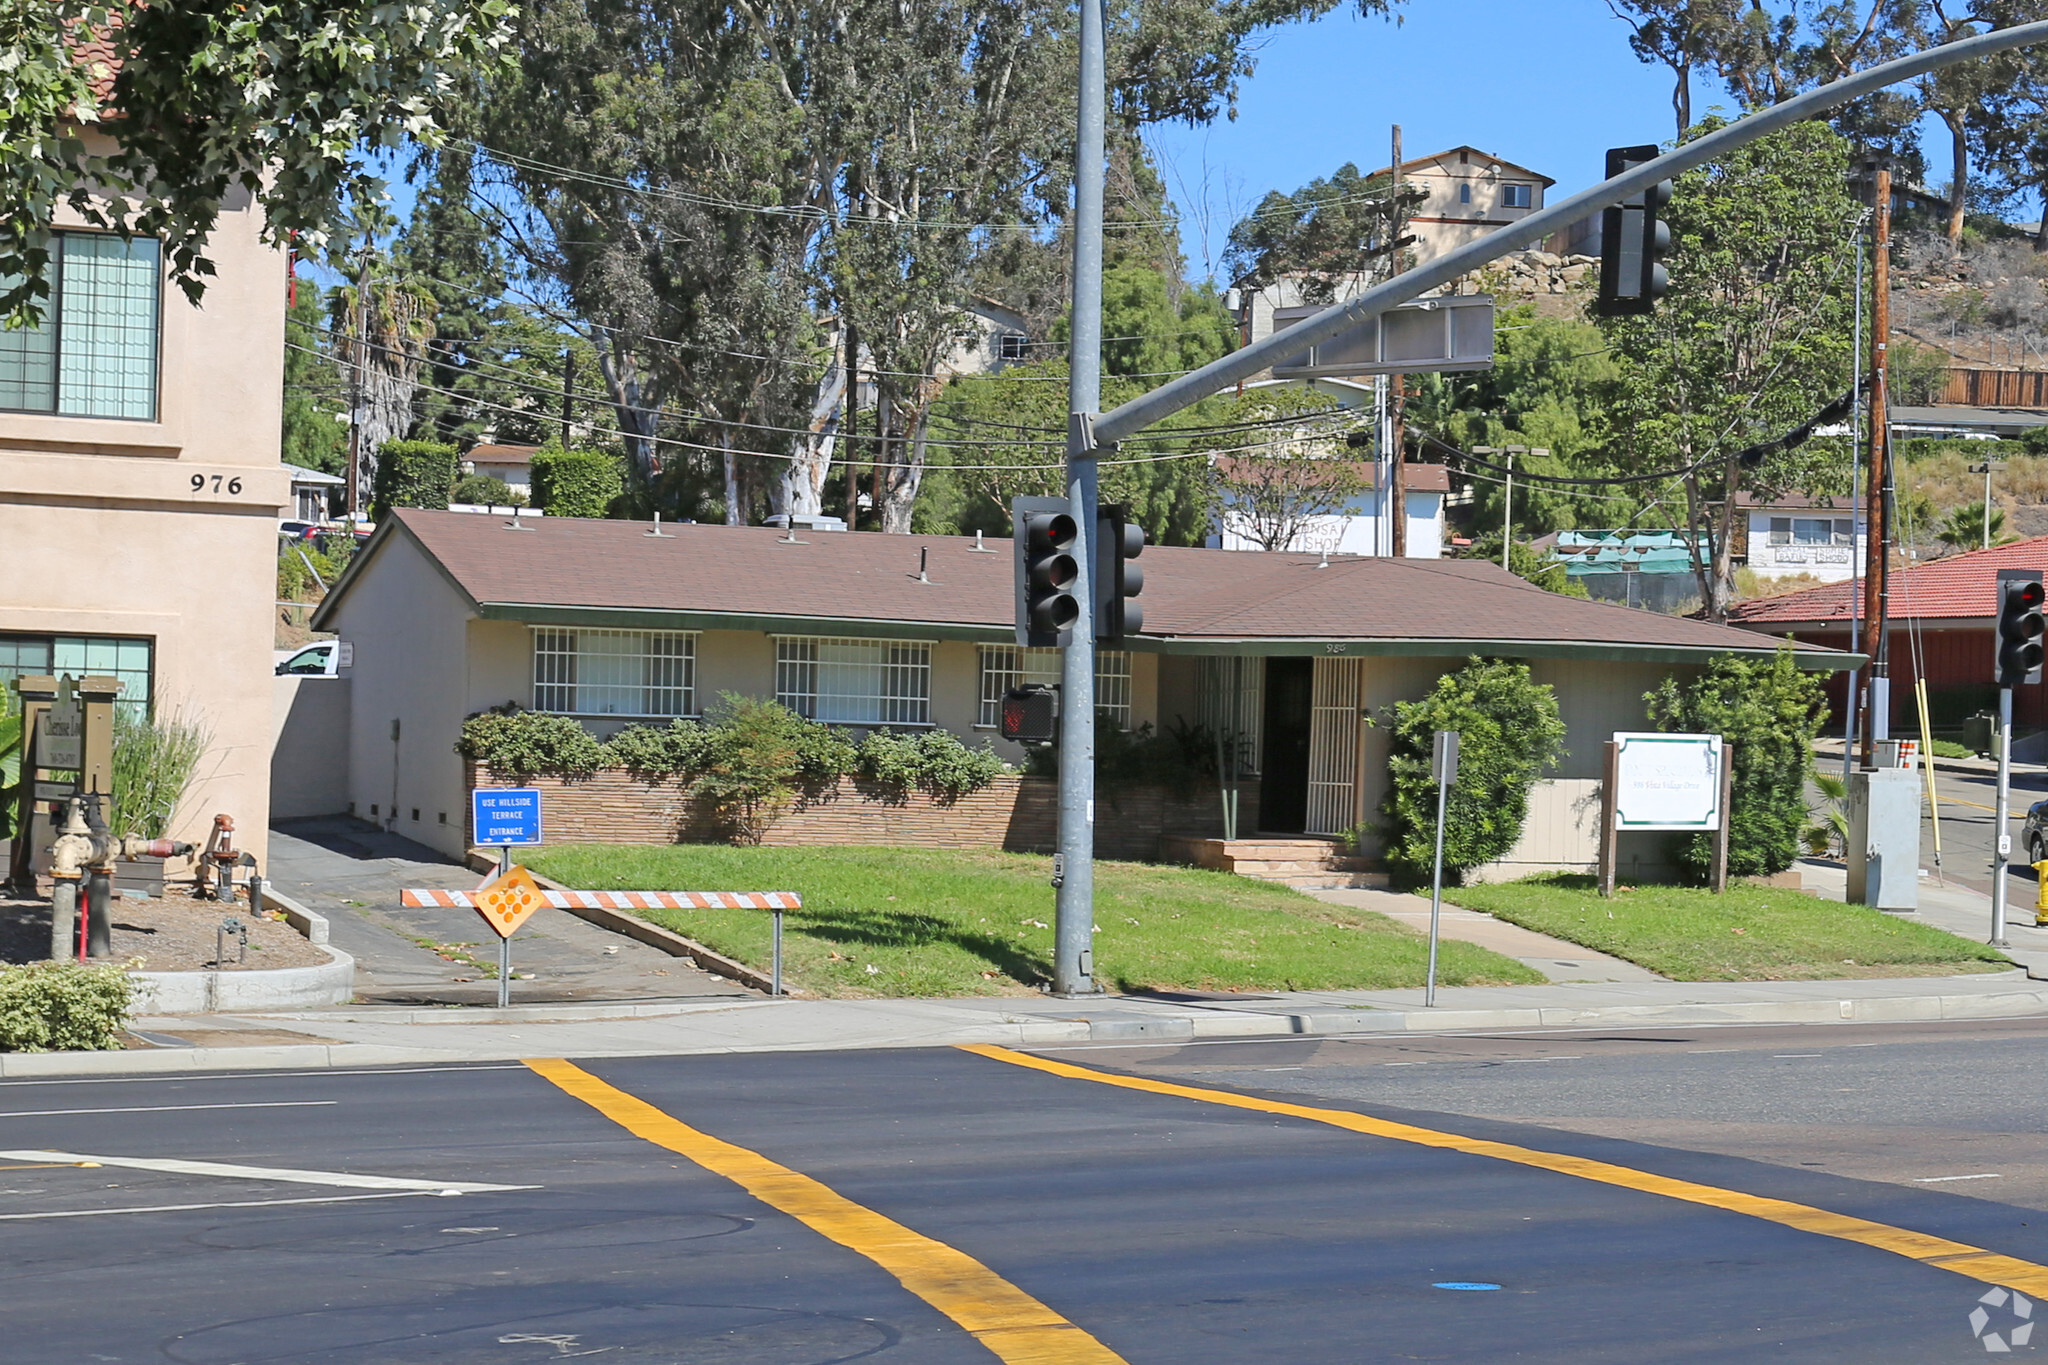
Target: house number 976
<point>199,481</point>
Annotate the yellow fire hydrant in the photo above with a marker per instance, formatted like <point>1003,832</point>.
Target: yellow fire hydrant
<point>2041,895</point>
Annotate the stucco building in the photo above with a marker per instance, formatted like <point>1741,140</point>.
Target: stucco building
<point>608,622</point>
<point>140,489</point>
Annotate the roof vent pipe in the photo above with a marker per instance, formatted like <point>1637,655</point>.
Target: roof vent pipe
<point>923,559</point>
<point>978,548</point>
<point>657,531</point>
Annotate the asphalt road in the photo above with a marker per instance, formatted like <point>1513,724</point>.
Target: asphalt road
<point>1112,1223</point>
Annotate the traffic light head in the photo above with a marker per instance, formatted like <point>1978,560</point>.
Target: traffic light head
<point>2020,626</point>
<point>1048,570</point>
<point>1633,242</point>
<point>1120,540</point>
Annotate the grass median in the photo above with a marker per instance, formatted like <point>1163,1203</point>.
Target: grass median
<point>1749,933</point>
<point>909,922</point>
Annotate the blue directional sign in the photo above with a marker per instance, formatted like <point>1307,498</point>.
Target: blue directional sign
<point>505,815</point>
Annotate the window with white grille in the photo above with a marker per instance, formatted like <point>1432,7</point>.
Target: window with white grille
<point>1006,666</point>
<point>615,672</point>
<point>855,682</point>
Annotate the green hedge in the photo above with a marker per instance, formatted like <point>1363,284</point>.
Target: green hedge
<point>1509,733</point>
<point>576,483</point>
<point>412,474</point>
<point>63,1007</point>
<point>751,761</point>
<point>1771,713</point>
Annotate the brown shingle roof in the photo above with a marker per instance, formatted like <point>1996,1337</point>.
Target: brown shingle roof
<point>559,566</point>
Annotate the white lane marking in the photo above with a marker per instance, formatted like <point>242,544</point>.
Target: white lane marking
<point>1283,1068</point>
<point>167,1108</point>
<point>1785,1056</point>
<point>227,1204</point>
<point>282,1174</point>
<point>1940,1179</point>
<point>187,1077</point>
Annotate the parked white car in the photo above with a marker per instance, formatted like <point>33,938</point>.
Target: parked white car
<point>320,660</point>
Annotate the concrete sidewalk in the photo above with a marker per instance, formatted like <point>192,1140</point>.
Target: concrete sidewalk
<point>352,1037</point>
<point>1556,958</point>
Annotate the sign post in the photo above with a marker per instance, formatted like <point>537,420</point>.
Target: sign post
<point>506,816</point>
<point>1660,782</point>
<point>1443,766</point>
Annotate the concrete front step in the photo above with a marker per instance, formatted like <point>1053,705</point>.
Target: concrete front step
<point>1308,862</point>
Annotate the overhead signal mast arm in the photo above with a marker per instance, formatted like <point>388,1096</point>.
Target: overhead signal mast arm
<point>1133,417</point>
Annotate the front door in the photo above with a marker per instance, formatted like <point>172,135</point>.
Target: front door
<point>1283,777</point>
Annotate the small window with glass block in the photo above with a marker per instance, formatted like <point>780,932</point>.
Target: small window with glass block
<point>95,352</point>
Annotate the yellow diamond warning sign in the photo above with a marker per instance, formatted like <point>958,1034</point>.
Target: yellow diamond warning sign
<point>507,902</point>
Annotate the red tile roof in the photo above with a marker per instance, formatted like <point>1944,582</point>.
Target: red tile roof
<point>614,569</point>
<point>1960,586</point>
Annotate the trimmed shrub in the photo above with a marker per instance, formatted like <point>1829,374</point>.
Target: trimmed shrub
<point>63,1007</point>
<point>487,489</point>
<point>412,474</point>
<point>575,483</point>
<point>933,762</point>
<point>1771,713</point>
<point>1509,733</point>
<point>660,753</point>
<point>522,744</point>
<point>761,755</point>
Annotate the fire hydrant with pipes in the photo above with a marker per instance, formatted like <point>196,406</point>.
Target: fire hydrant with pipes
<point>82,858</point>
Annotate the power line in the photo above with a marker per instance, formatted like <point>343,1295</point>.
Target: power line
<point>784,455</point>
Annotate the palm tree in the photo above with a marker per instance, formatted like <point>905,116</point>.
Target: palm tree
<point>1964,529</point>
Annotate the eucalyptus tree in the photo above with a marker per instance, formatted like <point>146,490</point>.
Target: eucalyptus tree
<point>1752,340</point>
<point>702,181</point>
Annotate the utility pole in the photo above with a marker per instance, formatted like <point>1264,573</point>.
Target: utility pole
<point>1877,572</point>
<point>1395,501</point>
<point>1073,970</point>
<point>1849,695</point>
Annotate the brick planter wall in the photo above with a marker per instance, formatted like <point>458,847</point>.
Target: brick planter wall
<point>1013,812</point>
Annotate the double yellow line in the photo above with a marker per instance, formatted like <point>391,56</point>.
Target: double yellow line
<point>1018,1329</point>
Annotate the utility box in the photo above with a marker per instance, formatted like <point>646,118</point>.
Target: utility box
<point>1884,838</point>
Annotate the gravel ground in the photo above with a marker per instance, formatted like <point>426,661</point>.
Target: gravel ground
<point>170,934</point>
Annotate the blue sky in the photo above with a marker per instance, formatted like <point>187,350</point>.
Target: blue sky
<point>1549,84</point>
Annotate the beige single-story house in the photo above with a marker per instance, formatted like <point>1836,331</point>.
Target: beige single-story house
<point>614,623</point>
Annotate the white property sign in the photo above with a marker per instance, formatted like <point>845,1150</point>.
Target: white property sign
<point>1667,781</point>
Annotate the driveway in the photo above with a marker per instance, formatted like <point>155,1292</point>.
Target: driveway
<point>353,874</point>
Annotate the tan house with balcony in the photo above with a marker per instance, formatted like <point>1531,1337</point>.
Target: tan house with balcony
<point>140,489</point>
<point>1468,194</point>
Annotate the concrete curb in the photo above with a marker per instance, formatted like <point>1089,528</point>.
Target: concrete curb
<point>653,935</point>
<point>282,988</point>
<point>312,926</point>
<point>1053,1030</point>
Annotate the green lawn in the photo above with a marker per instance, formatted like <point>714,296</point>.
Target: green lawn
<point>1751,933</point>
<point>909,922</point>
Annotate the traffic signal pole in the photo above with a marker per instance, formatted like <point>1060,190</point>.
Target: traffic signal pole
<point>1248,362</point>
<point>2002,830</point>
<point>1073,970</point>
